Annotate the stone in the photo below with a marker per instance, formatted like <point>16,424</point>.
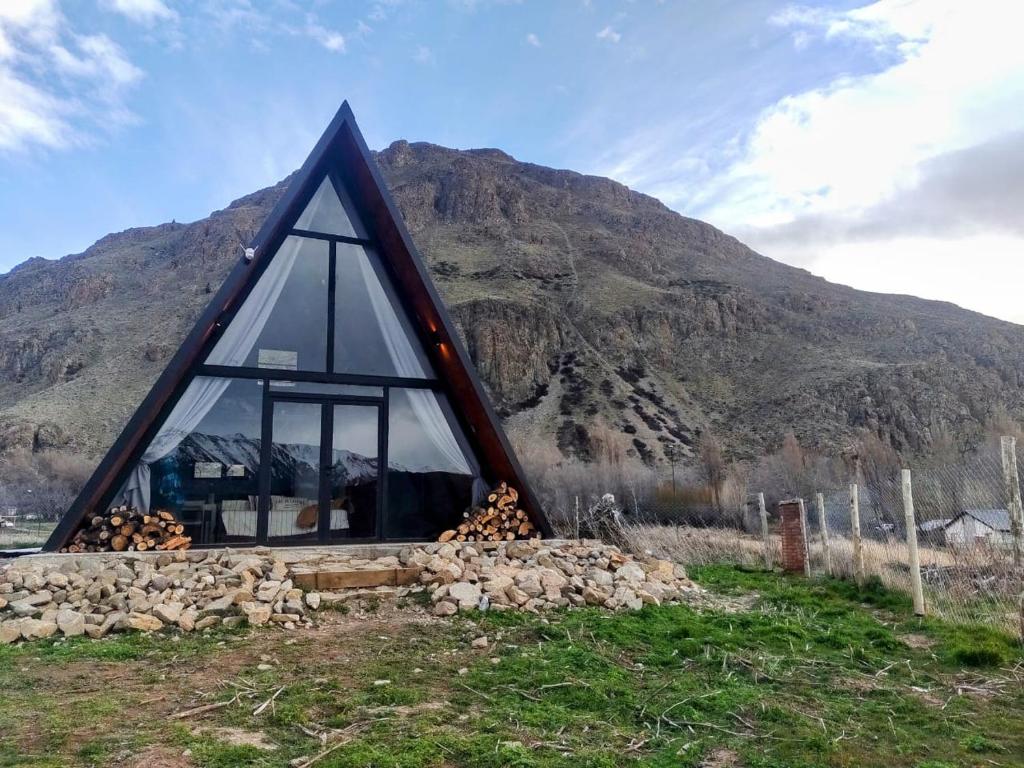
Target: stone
<point>232,622</point>
<point>35,629</point>
<point>313,600</point>
<point>143,622</point>
<point>187,620</point>
<point>95,631</point>
<point>10,631</point>
<point>284,618</point>
<point>445,608</point>
<point>207,622</point>
<point>221,604</point>
<point>57,580</point>
<point>599,576</point>
<point>529,582</point>
<point>467,595</point>
<point>594,596</point>
<point>632,573</point>
<point>480,642</point>
<point>516,595</point>
<point>70,623</point>
<point>168,613</point>
<point>256,613</point>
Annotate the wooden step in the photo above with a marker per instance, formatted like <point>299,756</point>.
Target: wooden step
<point>355,578</point>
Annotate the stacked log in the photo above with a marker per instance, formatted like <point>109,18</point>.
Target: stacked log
<point>126,529</point>
<point>500,520</point>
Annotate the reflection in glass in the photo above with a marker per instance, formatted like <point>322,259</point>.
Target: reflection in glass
<point>295,471</point>
<point>282,324</point>
<point>430,480</point>
<point>354,472</point>
<point>372,334</point>
<point>326,214</point>
<point>204,462</point>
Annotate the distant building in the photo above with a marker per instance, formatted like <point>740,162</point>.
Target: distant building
<point>933,531</point>
<point>979,526</point>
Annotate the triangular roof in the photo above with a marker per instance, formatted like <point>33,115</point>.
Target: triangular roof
<point>340,148</point>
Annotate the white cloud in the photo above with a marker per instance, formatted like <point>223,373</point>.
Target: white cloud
<point>894,179</point>
<point>958,80</point>
<point>146,12</point>
<point>934,269</point>
<point>609,34</point>
<point>532,39</point>
<point>423,55</point>
<point>328,38</point>
<point>57,87</point>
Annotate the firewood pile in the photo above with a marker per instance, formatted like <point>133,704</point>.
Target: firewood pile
<point>500,520</point>
<point>124,529</point>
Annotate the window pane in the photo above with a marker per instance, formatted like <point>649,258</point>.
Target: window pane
<point>326,214</point>
<point>203,465</point>
<point>430,480</point>
<point>295,471</point>
<point>316,388</point>
<point>354,472</point>
<point>283,322</point>
<point>372,333</point>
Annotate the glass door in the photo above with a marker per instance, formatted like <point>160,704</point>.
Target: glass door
<point>354,472</point>
<point>320,470</point>
<point>290,502</point>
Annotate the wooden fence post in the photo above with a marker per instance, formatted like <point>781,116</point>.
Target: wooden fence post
<point>858,545</point>
<point>915,559</point>
<point>1013,500</point>
<point>763,510</point>
<point>823,525</point>
<point>807,544</point>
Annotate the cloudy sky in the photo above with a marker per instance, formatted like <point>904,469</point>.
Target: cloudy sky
<point>877,144</point>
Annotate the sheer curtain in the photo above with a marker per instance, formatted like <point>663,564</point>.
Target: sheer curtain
<point>424,403</point>
<point>203,393</point>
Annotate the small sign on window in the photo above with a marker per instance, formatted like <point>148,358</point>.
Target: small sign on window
<point>208,470</point>
<point>279,359</point>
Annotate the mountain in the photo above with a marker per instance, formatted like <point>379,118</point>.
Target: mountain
<point>288,460</point>
<point>595,315</point>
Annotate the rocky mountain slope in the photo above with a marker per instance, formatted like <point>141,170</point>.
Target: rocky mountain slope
<point>594,313</point>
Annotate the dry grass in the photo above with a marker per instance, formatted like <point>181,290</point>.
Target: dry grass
<point>972,585</point>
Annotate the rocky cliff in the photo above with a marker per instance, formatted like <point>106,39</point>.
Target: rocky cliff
<point>590,310</point>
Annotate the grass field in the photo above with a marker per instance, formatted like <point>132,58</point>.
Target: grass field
<point>781,673</point>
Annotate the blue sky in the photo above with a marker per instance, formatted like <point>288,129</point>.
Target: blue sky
<point>876,144</point>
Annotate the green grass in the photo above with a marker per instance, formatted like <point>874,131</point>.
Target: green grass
<point>814,674</point>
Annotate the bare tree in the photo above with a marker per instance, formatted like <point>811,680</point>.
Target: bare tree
<point>712,466</point>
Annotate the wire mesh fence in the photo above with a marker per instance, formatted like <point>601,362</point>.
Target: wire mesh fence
<point>964,512</point>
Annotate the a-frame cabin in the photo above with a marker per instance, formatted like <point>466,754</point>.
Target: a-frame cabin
<point>324,395</point>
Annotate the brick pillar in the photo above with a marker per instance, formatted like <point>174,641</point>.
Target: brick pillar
<point>793,548</point>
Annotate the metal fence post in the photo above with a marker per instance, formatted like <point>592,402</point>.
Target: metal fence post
<point>763,510</point>
<point>823,525</point>
<point>1013,500</point>
<point>915,559</point>
<point>858,546</point>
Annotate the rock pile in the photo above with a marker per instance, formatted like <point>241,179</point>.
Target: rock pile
<point>94,595</point>
<point>536,575</point>
<point>195,590</point>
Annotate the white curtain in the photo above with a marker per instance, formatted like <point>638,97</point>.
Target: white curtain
<point>202,394</point>
<point>425,406</point>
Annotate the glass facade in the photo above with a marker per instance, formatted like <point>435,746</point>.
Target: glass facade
<point>372,334</point>
<point>430,480</point>
<point>281,325</point>
<point>326,214</point>
<point>204,463</point>
<point>271,459</point>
